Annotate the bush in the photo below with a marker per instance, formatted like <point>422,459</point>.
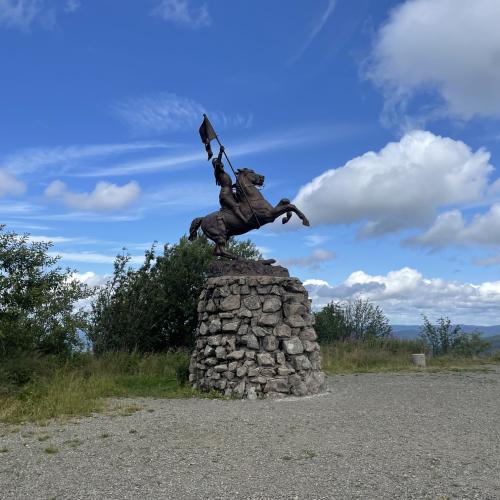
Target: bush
<point>37,301</point>
<point>445,338</point>
<point>357,320</point>
<point>153,308</point>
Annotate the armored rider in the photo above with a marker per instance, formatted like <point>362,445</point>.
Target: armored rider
<point>223,179</point>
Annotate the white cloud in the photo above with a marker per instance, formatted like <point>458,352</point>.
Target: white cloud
<point>19,14</point>
<point>72,6</point>
<point>450,228</point>
<point>401,186</point>
<point>105,196</point>
<point>166,111</point>
<point>64,157</point>
<point>313,240</point>
<point>405,294</point>
<point>450,47</point>
<point>330,7</point>
<point>314,260</point>
<point>9,185</point>
<point>180,12</point>
<point>90,278</point>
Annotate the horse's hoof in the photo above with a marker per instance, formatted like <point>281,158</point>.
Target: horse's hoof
<point>306,222</point>
<point>284,220</point>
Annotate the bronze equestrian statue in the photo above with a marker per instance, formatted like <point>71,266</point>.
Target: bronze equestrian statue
<point>243,207</point>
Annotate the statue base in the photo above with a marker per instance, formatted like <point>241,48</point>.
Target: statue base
<point>256,337</point>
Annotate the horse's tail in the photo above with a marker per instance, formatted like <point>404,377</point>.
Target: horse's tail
<point>193,230</point>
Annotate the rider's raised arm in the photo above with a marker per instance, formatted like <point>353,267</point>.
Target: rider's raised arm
<point>221,152</point>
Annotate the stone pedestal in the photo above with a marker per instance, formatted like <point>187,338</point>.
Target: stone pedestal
<point>255,338</point>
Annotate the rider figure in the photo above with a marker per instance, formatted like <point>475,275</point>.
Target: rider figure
<point>226,196</point>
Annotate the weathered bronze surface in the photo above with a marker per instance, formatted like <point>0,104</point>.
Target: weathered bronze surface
<point>225,267</point>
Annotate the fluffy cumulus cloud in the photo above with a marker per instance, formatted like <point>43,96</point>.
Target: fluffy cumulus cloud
<point>401,186</point>
<point>450,47</point>
<point>105,196</point>
<point>450,228</point>
<point>9,185</point>
<point>405,294</point>
<point>182,13</point>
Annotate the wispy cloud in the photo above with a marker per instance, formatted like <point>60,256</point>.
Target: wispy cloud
<point>32,159</point>
<point>180,12</point>
<point>10,185</point>
<point>19,14</point>
<point>93,258</point>
<point>257,144</point>
<point>319,25</point>
<point>168,112</point>
<point>72,6</point>
<point>313,261</point>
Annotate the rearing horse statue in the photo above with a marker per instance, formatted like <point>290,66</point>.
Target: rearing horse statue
<point>257,211</point>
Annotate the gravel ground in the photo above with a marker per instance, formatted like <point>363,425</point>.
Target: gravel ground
<point>418,435</point>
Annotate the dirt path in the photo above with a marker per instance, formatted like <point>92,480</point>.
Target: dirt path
<point>372,436</point>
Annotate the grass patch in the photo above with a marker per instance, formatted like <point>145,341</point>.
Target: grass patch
<point>3,449</point>
<point>50,450</point>
<point>74,443</point>
<point>79,386</point>
<point>392,355</point>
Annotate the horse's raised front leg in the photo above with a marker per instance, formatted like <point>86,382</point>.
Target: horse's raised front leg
<point>285,207</point>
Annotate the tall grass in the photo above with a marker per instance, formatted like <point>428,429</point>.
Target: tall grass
<point>78,386</point>
<point>384,355</point>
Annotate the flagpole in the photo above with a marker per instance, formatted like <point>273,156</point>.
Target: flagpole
<point>231,165</point>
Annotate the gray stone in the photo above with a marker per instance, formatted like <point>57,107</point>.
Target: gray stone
<point>232,366</point>
<point>302,363</point>
<point>259,379</point>
<point>211,361</point>
<point>251,341</point>
<point>277,385</point>
<point>269,343</point>
<point>265,359</point>
<point>258,331</point>
<point>252,394</point>
<point>267,371</point>
<point>275,290</point>
<point>241,371</point>
<point>250,355</point>
<point>220,352</point>
<point>244,313</point>
<point>252,302</point>
<point>295,321</point>
<point>236,355</point>
<point>315,382</point>
<point>253,372</point>
<point>282,330</point>
<point>293,345</point>
<point>231,326</point>
<point>285,371</point>
<point>294,379</point>
<point>315,359</point>
<point>208,351</point>
<point>230,303</point>
<point>308,334</point>
<point>229,341</point>
<point>229,375</point>
<point>263,290</point>
<point>272,304</point>
<point>239,390</point>
<point>226,315</point>
<point>214,340</point>
<point>220,368</point>
<point>300,389</point>
<point>210,307</point>
<point>310,346</point>
<point>243,330</point>
<point>215,326</point>
<point>280,358</point>
<point>203,330</point>
<point>294,309</point>
<point>244,290</point>
<point>269,319</point>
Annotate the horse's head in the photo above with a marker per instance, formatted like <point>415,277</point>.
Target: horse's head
<point>250,176</point>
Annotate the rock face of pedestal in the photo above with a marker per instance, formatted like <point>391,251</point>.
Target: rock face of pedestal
<point>256,337</point>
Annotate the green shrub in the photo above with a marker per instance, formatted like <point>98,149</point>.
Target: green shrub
<point>153,308</point>
<point>356,320</point>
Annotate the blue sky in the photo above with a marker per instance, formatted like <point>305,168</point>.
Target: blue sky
<point>380,119</point>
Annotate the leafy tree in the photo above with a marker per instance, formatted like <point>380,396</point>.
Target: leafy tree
<point>153,308</point>
<point>445,338</point>
<point>356,320</point>
<point>37,300</point>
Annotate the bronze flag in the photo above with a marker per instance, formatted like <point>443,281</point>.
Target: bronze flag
<point>207,134</point>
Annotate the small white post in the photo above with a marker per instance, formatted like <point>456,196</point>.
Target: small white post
<point>418,360</point>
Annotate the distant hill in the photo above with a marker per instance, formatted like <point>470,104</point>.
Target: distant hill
<point>412,331</point>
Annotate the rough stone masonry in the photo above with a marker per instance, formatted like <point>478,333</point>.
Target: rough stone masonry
<point>256,338</point>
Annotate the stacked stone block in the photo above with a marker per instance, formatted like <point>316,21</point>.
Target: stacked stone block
<point>256,337</point>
